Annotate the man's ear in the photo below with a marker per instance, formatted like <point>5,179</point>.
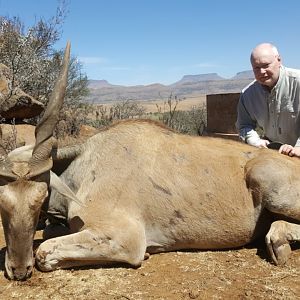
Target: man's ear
<point>278,57</point>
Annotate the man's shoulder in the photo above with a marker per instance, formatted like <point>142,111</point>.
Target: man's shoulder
<point>290,72</point>
<point>252,92</point>
<point>254,85</point>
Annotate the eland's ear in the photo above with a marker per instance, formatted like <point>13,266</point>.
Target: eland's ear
<point>60,187</point>
<point>63,157</point>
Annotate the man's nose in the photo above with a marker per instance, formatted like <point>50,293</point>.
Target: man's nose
<point>261,71</point>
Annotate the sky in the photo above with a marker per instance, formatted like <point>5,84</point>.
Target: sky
<point>141,42</point>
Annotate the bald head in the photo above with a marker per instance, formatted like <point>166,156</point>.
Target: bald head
<point>266,63</point>
<point>264,49</point>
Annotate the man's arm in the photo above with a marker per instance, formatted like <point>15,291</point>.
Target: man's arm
<point>246,127</point>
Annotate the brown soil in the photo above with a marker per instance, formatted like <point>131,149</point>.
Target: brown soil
<point>234,274</point>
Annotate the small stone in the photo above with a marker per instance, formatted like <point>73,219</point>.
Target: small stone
<point>194,294</point>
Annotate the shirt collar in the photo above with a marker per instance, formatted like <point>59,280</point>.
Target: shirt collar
<point>281,76</point>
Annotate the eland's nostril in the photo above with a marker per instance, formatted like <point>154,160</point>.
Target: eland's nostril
<point>20,273</point>
<point>21,278</point>
<point>29,271</point>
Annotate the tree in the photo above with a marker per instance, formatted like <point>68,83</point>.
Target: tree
<point>34,62</point>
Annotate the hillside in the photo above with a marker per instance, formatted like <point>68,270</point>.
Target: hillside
<point>102,91</point>
<point>244,75</point>
<point>197,78</point>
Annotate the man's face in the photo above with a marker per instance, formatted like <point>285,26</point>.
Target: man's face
<point>266,67</point>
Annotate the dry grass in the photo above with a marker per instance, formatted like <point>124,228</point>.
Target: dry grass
<point>185,104</point>
<point>151,106</point>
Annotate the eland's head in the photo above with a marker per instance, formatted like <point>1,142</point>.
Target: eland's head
<point>24,183</point>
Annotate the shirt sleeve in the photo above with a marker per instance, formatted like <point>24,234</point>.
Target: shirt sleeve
<point>252,138</point>
<point>246,125</point>
<point>297,142</point>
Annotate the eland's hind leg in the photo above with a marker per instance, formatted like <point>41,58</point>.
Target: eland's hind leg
<point>287,204</point>
<point>278,240</point>
<point>275,185</point>
<point>283,200</point>
<point>94,247</point>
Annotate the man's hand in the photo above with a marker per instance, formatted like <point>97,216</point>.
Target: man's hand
<point>262,143</point>
<point>290,150</point>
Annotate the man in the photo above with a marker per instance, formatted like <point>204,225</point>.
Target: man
<point>271,102</point>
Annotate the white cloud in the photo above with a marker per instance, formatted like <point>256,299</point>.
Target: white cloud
<point>117,68</point>
<point>92,60</point>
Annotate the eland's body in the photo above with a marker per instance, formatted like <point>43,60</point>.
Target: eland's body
<point>147,189</point>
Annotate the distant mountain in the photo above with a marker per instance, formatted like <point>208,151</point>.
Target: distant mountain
<point>190,85</point>
<point>197,78</point>
<point>244,75</point>
<point>97,84</point>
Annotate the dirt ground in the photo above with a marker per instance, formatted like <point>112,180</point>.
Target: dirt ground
<point>234,274</point>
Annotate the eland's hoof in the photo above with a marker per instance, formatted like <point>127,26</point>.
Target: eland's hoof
<point>282,253</point>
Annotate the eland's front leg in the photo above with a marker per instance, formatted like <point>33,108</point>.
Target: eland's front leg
<point>93,247</point>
